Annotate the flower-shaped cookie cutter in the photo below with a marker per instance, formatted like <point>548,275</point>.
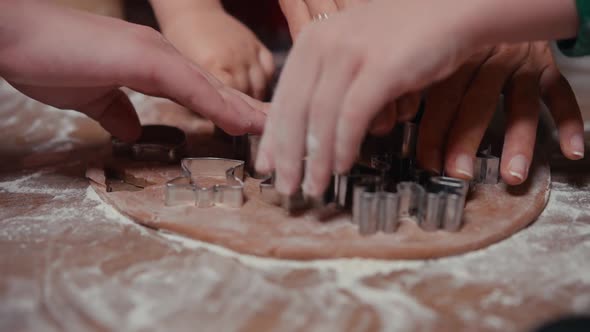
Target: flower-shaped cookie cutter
<point>190,188</point>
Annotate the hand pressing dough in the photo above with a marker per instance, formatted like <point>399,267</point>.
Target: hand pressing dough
<point>492,213</point>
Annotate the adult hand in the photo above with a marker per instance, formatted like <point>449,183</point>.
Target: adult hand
<point>222,45</point>
<point>302,12</point>
<point>342,72</point>
<point>74,60</point>
<point>459,109</point>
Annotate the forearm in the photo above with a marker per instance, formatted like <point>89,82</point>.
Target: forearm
<point>167,11</point>
<point>495,21</point>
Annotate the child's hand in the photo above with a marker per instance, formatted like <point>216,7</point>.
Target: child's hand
<point>459,109</point>
<point>74,60</point>
<point>223,46</point>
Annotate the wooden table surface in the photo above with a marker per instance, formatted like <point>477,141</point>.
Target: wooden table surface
<point>69,262</point>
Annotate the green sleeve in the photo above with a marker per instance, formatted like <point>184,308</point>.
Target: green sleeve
<point>580,46</point>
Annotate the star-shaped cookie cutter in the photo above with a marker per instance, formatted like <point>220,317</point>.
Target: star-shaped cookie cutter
<point>190,188</point>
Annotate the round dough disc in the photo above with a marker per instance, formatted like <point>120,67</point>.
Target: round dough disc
<point>492,213</point>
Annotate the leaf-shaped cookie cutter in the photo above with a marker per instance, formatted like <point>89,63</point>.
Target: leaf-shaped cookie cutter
<point>187,190</point>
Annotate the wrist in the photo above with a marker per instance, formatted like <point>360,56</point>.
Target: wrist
<point>580,45</point>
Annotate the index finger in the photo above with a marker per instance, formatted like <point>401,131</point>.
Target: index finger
<point>165,72</point>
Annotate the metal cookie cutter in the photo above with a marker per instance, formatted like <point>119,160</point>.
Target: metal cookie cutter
<point>374,209</point>
<point>188,189</point>
<point>343,185</point>
<point>157,143</point>
<point>411,196</point>
<point>487,167</point>
<point>296,202</point>
<point>292,203</point>
<point>443,204</point>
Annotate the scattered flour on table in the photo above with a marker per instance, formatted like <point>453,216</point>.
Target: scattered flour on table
<point>16,108</point>
<point>508,263</point>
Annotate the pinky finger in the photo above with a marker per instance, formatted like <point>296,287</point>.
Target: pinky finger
<point>561,101</point>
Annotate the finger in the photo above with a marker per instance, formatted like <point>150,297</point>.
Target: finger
<point>441,104</point>
<point>360,105</point>
<point>385,120</point>
<point>257,81</point>
<point>163,71</point>
<point>255,104</point>
<point>323,114</point>
<point>407,106</point>
<point>476,110</point>
<point>224,77</point>
<point>116,114</point>
<point>319,8</point>
<point>561,101</point>
<point>283,142</point>
<point>267,62</point>
<point>523,106</point>
<point>297,15</point>
<point>251,113</point>
<point>242,80</point>
<point>109,106</point>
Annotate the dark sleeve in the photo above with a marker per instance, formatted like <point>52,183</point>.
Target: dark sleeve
<point>579,46</point>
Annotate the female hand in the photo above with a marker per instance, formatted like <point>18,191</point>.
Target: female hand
<point>75,60</point>
<point>342,72</point>
<point>459,109</point>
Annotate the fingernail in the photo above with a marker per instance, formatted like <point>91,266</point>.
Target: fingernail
<point>518,167</point>
<point>464,165</point>
<point>577,145</point>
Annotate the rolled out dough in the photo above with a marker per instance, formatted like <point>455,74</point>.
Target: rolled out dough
<point>493,213</point>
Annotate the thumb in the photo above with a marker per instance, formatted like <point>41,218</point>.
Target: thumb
<point>116,114</point>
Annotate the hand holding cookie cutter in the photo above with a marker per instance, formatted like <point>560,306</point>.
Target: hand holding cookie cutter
<point>187,190</point>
